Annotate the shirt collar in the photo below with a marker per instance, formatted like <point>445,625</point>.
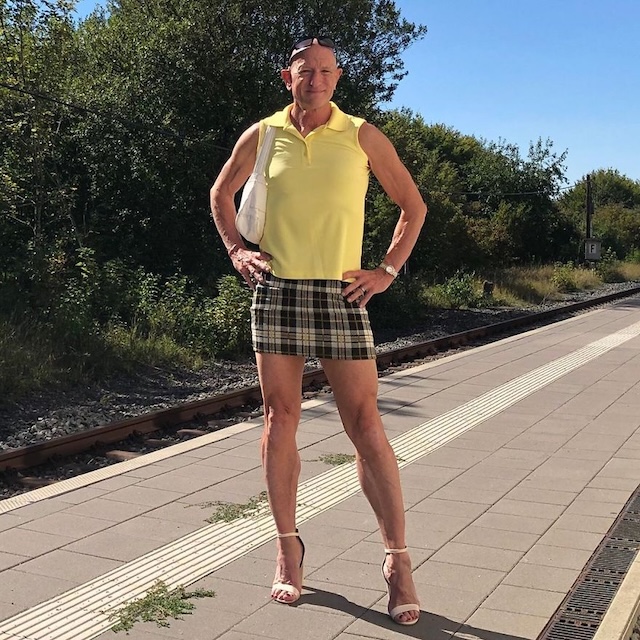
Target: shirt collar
<point>338,120</point>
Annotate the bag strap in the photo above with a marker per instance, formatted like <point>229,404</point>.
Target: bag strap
<point>265,149</point>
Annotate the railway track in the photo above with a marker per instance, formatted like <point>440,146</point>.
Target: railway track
<point>28,457</point>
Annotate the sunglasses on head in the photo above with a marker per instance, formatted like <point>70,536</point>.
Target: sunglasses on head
<point>307,41</point>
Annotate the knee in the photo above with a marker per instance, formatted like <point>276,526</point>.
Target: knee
<point>280,421</point>
<point>365,428</point>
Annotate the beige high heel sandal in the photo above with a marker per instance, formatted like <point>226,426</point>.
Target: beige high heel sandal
<point>401,608</point>
<point>285,586</point>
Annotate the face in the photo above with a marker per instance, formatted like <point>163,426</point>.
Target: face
<point>312,77</point>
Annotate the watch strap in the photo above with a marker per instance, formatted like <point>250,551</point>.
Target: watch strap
<point>390,269</point>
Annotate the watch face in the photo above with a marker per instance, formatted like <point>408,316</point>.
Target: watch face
<point>389,269</point>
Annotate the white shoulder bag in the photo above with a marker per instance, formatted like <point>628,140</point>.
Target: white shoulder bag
<point>252,211</point>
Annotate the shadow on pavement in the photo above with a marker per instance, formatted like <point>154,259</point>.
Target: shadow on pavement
<point>429,626</point>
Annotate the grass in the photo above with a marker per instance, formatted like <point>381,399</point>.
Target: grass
<point>31,358</point>
<point>158,350</point>
<point>629,271</point>
<point>158,605</point>
<point>525,286</point>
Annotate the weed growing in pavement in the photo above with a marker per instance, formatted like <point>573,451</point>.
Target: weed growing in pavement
<point>157,606</point>
<point>230,511</point>
<point>336,459</point>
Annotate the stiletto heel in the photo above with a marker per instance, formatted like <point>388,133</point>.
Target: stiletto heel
<point>285,586</point>
<point>402,608</point>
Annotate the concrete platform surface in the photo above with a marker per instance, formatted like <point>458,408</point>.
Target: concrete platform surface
<point>516,458</point>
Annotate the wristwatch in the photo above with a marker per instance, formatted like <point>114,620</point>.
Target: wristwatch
<point>389,269</point>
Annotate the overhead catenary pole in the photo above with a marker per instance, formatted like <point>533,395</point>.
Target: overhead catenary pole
<point>589,204</point>
<point>591,246</point>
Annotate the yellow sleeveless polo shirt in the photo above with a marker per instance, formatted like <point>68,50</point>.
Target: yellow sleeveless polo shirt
<point>315,202</point>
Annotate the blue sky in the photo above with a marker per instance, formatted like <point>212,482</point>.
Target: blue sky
<point>568,70</point>
<point>519,70</point>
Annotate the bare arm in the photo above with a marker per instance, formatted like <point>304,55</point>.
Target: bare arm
<point>250,264</point>
<point>400,187</point>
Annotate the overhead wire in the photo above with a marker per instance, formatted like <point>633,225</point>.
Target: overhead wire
<point>506,194</point>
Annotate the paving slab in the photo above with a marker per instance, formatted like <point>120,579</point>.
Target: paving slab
<point>518,626</point>
<point>27,589</point>
<point>471,555</point>
<point>112,545</point>
<point>8,560</point>
<point>536,576</point>
<point>511,540</point>
<point>31,543</point>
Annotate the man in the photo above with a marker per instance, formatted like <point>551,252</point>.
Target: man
<point>310,296</point>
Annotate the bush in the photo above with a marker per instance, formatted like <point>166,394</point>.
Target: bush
<point>101,319</point>
<point>174,318</point>
<point>459,291</point>
<point>131,349</point>
<point>563,277</point>
<point>634,256</point>
<point>608,267</point>
<point>230,312</point>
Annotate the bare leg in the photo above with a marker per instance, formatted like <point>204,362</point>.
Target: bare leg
<point>355,387</point>
<point>281,382</point>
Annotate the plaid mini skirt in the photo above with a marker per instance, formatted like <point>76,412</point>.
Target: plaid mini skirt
<point>309,318</point>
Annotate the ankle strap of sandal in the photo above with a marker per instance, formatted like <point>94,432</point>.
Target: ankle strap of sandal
<point>292,534</point>
<point>396,550</point>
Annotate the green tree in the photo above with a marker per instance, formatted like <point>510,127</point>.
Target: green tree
<point>434,156</point>
<point>488,206</point>
<point>618,227</point>
<point>38,221</point>
<point>523,191</point>
<point>616,219</point>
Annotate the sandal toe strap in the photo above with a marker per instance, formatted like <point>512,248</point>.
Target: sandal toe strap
<point>286,587</point>
<point>404,608</point>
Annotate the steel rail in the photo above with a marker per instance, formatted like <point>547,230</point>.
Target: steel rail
<point>32,455</point>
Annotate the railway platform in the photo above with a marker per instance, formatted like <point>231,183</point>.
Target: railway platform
<point>517,459</point>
